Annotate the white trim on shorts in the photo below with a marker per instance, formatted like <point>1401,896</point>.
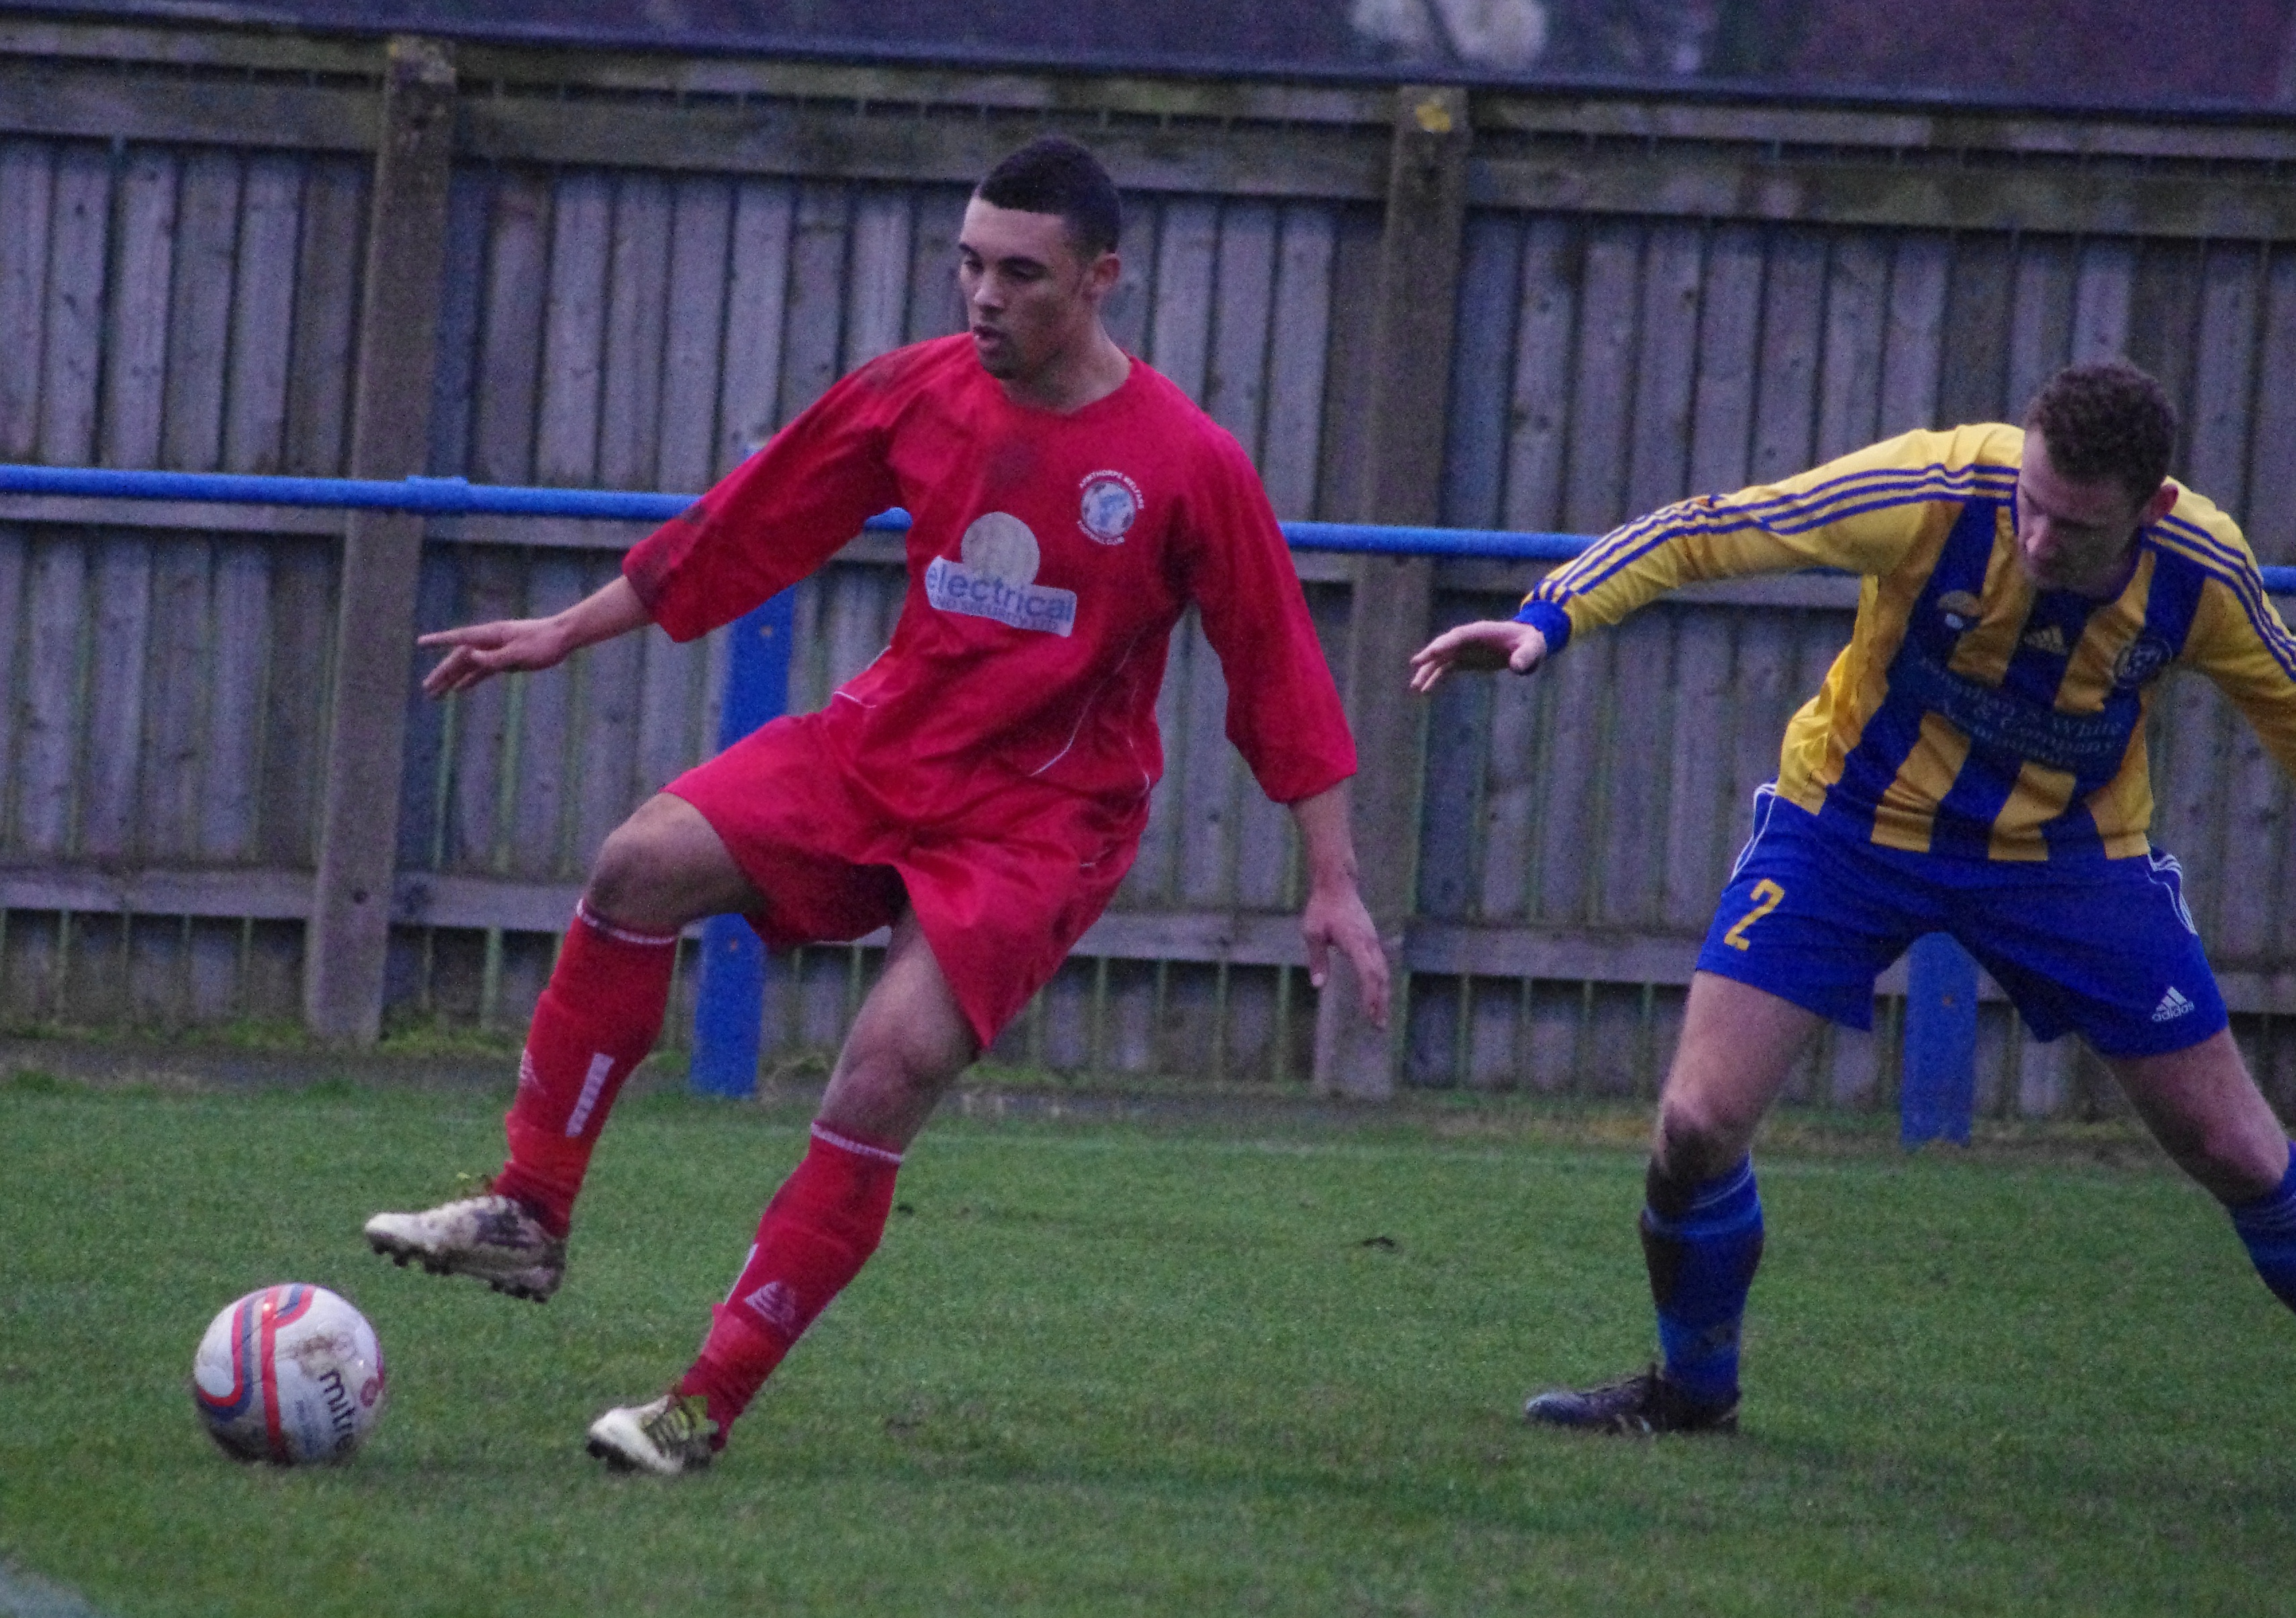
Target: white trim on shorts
<point>1766,799</point>
<point>2165,873</point>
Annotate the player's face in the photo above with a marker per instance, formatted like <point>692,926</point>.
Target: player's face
<point>2076,536</point>
<point>1031,298</point>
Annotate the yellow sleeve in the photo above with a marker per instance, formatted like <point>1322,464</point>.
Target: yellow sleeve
<point>2238,640</point>
<point>1861,513</point>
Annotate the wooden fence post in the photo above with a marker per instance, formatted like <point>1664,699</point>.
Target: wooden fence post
<point>1419,264</point>
<point>345,945</point>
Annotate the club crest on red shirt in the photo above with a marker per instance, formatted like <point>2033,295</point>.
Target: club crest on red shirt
<point>1110,506</point>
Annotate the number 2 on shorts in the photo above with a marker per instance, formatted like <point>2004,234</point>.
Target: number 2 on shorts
<point>1766,894</point>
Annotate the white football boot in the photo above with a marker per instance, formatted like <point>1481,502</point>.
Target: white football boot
<point>490,1237</point>
<point>670,1436</point>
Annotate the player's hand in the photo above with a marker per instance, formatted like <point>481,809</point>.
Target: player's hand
<point>478,651</point>
<point>1335,916</point>
<point>1491,644</point>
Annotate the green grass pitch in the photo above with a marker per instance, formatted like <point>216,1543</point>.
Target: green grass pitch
<point>1104,1366</point>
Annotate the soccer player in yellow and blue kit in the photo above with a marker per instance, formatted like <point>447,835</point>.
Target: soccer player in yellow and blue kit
<point>1974,764</point>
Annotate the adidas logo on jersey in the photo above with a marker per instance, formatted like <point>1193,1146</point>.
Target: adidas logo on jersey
<point>2047,638</point>
<point>2172,1005</point>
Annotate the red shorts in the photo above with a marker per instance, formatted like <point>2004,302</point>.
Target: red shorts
<point>1003,886</point>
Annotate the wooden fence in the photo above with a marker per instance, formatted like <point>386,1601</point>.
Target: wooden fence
<point>1496,309</point>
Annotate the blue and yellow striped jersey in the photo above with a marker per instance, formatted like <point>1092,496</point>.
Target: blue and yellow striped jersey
<point>1970,714</point>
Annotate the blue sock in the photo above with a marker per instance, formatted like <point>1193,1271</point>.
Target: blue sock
<point>1701,1253</point>
<point>2267,1229</point>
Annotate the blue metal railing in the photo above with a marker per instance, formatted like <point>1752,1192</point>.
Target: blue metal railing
<point>458,498</point>
<point>1939,1069</point>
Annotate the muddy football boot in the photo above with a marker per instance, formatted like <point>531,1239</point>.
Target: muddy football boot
<point>491,1239</point>
<point>1640,1405</point>
<point>674,1434</point>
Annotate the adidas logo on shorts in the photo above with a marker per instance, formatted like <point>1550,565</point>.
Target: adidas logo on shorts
<point>2172,1005</point>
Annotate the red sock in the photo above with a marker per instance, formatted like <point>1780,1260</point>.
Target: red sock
<point>596,1021</point>
<point>816,1233</point>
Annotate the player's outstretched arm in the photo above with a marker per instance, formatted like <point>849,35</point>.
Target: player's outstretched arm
<point>1334,915</point>
<point>476,651</point>
<point>1490,644</point>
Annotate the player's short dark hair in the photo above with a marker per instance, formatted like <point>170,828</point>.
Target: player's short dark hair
<point>2106,419</point>
<point>1053,174</point>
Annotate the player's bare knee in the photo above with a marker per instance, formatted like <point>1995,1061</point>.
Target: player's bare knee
<point>2233,1162</point>
<point>907,1056</point>
<point>926,1063</point>
<point>1695,1141</point>
<point>620,873</point>
<point>637,877</point>
<point>885,1091</point>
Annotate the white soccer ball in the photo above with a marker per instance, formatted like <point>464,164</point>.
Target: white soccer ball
<point>288,1373</point>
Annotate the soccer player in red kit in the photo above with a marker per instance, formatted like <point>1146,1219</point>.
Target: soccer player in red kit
<point>981,787</point>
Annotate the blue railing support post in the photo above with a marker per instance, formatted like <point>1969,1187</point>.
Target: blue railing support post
<point>729,998</point>
<point>1939,1089</point>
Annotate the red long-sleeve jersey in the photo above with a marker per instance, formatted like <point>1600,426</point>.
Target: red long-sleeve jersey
<point>1050,556</point>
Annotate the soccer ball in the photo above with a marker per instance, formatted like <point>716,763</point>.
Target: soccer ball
<point>290,1375</point>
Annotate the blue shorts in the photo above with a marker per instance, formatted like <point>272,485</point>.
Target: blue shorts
<point>2103,946</point>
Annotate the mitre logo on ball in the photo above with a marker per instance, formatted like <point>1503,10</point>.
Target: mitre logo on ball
<point>290,1375</point>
